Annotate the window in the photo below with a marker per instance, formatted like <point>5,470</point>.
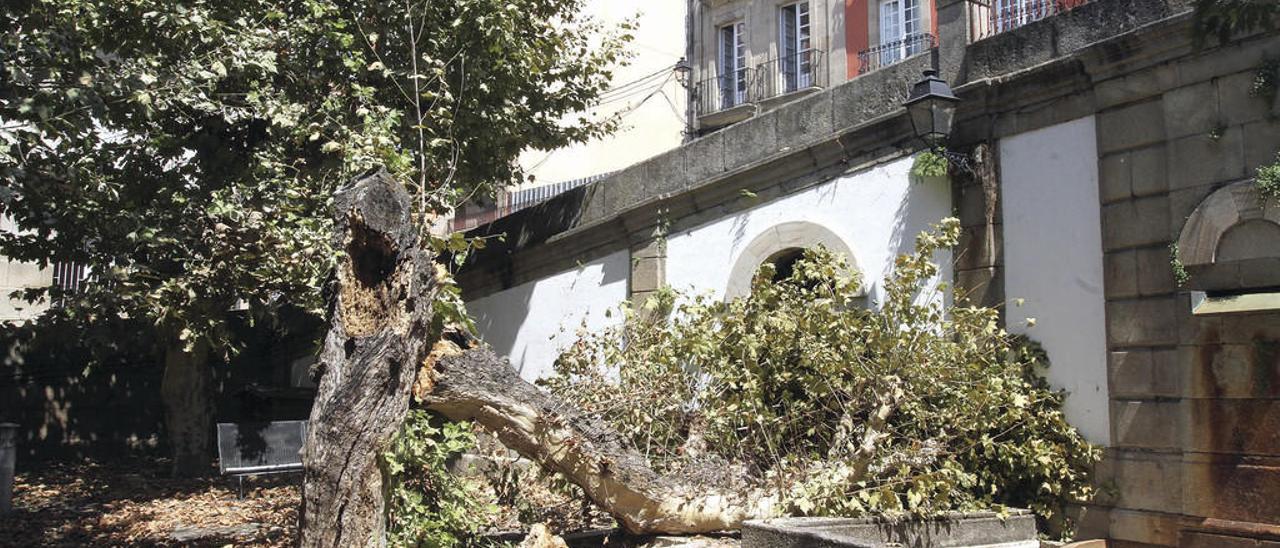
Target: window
<point>901,30</point>
<point>795,47</point>
<point>733,65</point>
<point>1011,14</point>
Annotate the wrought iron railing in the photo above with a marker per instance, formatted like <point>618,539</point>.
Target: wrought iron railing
<point>724,92</point>
<point>894,52</point>
<point>790,73</point>
<point>70,277</point>
<point>991,17</point>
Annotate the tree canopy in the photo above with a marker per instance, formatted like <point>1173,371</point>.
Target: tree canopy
<point>188,150</point>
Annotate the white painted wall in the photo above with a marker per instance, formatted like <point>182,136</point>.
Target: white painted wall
<point>877,212</point>
<point>1053,260</point>
<point>16,276</point>
<point>533,322</point>
<point>652,110</point>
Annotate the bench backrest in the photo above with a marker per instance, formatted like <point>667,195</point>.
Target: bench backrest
<point>261,447</point>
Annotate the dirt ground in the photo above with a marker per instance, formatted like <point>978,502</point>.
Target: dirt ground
<point>134,504</point>
<point>92,504</point>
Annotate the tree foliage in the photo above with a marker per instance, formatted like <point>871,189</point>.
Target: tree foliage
<point>429,506</point>
<point>187,150</point>
<point>1219,19</point>
<point>911,407</point>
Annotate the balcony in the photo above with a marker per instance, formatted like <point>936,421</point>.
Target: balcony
<point>723,100</point>
<point>726,97</point>
<point>991,17</point>
<point>894,52</point>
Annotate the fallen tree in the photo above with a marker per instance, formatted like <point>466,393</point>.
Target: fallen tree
<point>911,407</point>
<point>474,384</point>
<point>379,343</point>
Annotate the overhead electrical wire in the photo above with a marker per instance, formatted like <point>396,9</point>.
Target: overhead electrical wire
<point>653,91</point>
<point>642,79</point>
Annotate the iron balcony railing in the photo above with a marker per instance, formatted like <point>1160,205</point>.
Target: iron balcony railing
<point>790,73</point>
<point>776,77</point>
<point>991,17</point>
<point>69,279</point>
<point>724,92</point>
<point>894,52</point>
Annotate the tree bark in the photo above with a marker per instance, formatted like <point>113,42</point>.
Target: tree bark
<point>474,384</point>
<point>380,317</point>
<point>186,390</point>
<point>377,356</point>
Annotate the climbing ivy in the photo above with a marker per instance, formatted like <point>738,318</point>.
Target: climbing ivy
<point>429,506</point>
<point>1267,181</point>
<point>1180,274</point>
<point>1265,80</point>
<point>930,164</point>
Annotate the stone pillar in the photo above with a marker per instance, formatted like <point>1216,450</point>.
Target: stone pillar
<point>979,263</point>
<point>648,269</point>
<point>8,453</point>
<point>953,38</point>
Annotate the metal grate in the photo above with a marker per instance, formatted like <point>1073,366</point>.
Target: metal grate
<point>260,448</point>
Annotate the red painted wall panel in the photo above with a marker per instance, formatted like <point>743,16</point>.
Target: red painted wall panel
<point>856,34</point>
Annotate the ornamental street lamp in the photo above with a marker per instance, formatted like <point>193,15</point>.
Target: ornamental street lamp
<point>684,75</point>
<point>683,72</point>
<point>932,108</point>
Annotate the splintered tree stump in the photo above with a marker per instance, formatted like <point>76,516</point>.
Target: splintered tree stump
<point>377,356</point>
<point>380,317</point>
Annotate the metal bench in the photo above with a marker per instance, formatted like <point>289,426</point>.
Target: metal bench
<point>261,448</point>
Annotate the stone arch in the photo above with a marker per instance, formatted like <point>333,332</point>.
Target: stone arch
<point>1235,209</point>
<point>780,240</point>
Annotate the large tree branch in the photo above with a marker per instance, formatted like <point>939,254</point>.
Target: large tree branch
<point>475,384</point>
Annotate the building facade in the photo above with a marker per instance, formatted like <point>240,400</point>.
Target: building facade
<point>645,95</point>
<point>749,56</point>
<point>1111,199</point>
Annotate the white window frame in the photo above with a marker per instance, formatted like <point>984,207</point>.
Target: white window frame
<point>905,18</point>
<point>795,53</point>
<point>732,88</point>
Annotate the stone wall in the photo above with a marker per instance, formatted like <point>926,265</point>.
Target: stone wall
<point>1195,417</point>
<point>1195,423</point>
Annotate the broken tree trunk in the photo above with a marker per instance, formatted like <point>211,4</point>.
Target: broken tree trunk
<point>378,335</point>
<point>476,385</point>
<point>378,342</point>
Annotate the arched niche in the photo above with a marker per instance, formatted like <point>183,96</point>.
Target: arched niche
<point>782,242</point>
<point>1231,242</point>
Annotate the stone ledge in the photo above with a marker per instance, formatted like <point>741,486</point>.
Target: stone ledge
<point>1063,34</point>
<point>1017,530</point>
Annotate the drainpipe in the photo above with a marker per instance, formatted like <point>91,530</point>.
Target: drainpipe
<point>690,131</point>
<point>8,453</point>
